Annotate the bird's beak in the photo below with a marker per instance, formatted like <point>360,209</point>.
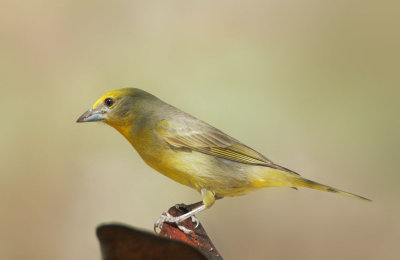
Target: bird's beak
<point>91,116</point>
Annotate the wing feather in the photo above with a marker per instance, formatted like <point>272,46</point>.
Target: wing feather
<point>199,136</point>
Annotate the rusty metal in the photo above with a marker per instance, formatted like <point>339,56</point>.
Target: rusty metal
<point>198,238</point>
<point>120,242</point>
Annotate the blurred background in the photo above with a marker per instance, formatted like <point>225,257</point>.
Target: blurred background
<point>313,85</point>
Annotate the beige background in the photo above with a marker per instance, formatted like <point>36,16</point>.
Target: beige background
<point>314,85</point>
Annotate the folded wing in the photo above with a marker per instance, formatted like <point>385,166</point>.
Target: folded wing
<point>199,136</point>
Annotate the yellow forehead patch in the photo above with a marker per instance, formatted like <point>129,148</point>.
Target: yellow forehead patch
<point>115,94</point>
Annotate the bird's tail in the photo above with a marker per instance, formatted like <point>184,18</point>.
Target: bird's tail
<point>280,178</point>
<point>302,182</point>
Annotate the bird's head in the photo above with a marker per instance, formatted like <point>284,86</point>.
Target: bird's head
<point>121,109</point>
<point>117,108</point>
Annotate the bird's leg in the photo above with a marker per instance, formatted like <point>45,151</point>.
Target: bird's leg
<point>166,217</point>
<point>190,214</point>
<point>208,200</point>
<point>189,208</point>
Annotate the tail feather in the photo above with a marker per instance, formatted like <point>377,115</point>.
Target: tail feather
<point>301,182</point>
<point>281,178</point>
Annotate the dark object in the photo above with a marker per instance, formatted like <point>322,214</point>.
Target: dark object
<point>198,238</point>
<point>120,242</point>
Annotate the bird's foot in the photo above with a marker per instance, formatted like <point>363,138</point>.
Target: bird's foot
<point>193,218</point>
<point>166,217</point>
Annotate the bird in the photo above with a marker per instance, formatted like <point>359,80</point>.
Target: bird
<point>191,151</point>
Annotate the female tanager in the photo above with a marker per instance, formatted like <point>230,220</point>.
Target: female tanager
<point>191,151</point>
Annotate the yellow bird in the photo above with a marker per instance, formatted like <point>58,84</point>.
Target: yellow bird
<point>191,151</point>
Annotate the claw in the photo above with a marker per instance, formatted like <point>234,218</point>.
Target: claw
<point>195,220</point>
<point>185,230</point>
<point>165,217</point>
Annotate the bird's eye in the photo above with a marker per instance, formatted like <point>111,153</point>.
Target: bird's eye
<point>108,102</point>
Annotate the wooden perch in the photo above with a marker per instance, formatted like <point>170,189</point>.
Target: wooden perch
<point>120,242</point>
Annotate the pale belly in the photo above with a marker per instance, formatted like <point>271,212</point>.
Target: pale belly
<point>198,171</point>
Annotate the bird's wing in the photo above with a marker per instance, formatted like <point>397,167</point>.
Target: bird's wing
<point>199,136</point>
